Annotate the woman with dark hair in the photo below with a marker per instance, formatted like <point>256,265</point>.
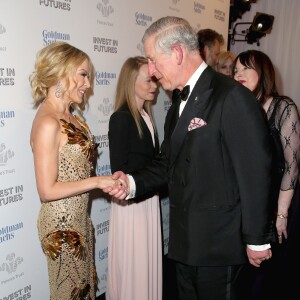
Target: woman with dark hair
<point>255,71</point>
<point>134,243</point>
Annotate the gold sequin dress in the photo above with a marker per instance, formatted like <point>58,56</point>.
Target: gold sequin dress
<point>65,228</point>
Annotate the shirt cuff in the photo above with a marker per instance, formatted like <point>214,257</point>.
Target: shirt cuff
<point>259,247</point>
<point>132,187</point>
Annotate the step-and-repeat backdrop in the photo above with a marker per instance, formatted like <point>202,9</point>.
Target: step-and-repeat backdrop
<point>109,31</point>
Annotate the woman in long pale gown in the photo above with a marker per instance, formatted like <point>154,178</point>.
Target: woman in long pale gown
<point>135,246</point>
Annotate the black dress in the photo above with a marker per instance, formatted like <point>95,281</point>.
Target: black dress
<point>274,278</point>
<point>284,125</point>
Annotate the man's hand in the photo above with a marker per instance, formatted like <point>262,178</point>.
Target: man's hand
<point>257,257</point>
<point>121,190</point>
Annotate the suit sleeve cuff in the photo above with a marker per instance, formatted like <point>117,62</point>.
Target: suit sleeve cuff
<point>259,247</point>
<point>132,187</point>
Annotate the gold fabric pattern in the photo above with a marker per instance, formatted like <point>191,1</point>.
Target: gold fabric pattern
<point>81,136</point>
<point>64,226</point>
<point>53,242</point>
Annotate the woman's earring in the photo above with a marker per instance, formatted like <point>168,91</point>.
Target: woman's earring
<point>58,89</point>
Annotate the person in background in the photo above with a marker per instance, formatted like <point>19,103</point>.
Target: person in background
<point>134,242</point>
<point>63,149</point>
<point>210,43</point>
<point>216,160</point>
<point>224,65</point>
<point>254,70</point>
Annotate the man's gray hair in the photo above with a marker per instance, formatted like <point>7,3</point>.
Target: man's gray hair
<point>169,31</point>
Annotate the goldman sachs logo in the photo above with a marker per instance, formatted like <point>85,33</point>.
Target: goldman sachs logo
<point>50,36</point>
<point>142,19</point>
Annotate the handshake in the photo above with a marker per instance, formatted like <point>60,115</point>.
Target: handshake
<point>116,185</point>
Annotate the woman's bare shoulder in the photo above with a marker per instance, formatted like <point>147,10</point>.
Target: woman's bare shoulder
<point>44,124</point>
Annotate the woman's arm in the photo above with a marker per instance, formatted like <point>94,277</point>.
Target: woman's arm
<point>289,128</point>
<point>46,142</point>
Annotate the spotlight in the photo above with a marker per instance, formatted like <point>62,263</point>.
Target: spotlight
<point>261,25</point>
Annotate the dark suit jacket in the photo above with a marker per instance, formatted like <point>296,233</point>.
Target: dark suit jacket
<point>218,175</point>
<point>128,152</point>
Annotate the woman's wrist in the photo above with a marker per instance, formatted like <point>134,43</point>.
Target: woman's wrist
<point>282,215</point>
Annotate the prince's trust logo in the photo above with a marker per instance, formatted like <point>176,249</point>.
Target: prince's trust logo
<point>105,107</point>
<point>105,8</point>
<point>11,264</point>
<point>5,154</point>
<point>198,7</point>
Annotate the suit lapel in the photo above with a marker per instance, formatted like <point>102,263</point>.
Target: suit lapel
<point>195,106</point>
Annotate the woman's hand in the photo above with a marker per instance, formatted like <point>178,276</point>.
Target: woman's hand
<point>108,183</point>
<point>281,226</point>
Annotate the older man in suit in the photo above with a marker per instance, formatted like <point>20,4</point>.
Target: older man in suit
<point>216,160</point>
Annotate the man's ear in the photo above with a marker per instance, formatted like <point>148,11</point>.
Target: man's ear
<point>206,52</point>
<point>178,52</point>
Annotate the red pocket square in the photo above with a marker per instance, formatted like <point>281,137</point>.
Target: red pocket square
<point>195,123</point>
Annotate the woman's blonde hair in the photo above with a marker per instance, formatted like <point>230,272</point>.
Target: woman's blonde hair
<point>125,92</point>
<point>223,56</point>
<point>54,62</point>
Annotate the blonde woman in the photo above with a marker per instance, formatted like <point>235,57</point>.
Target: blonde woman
<point>63,148</point>
<point>224,65</point>
<point>135,250</point>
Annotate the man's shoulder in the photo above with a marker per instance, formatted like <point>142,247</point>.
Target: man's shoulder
<point>224,80</point>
